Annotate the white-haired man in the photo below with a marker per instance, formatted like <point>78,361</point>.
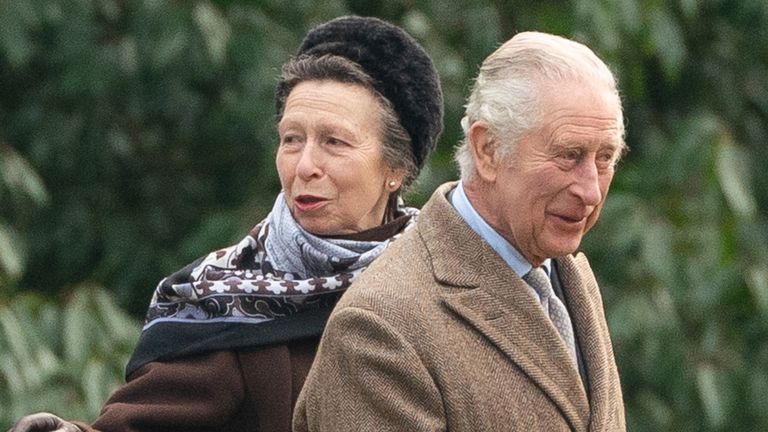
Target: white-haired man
<point>482,318</point>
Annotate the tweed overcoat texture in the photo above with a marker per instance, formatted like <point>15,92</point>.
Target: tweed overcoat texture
<point>440,334</point>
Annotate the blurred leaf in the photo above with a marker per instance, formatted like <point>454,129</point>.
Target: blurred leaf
<point>711,393</point>
<point>13,381</point>
<point>20,177</point>
<point>118,326</point>
<point>757,279</point>
<point>16,24</point>
<point>37,374</point>
<point>629,11</point>
<point>11,261</point>
<point>658,251</point>
<point>734,174</point>
<point>93,383</point>
<point>656,412</point>
<point>15,339</point>
<point>668,40</point>
<point>77,339</point>
<point>690,8</point>
<point>214,28</point>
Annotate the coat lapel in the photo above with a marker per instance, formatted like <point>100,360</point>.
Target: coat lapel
<point>482,290</point>
<point>586,308</point>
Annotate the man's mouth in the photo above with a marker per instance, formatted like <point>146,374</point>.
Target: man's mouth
<point>570,219</point>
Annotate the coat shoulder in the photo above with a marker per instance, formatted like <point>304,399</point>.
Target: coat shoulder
<point>400,276</point>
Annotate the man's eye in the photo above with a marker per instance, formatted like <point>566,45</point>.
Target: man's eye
<point>335,141</point>
<point>571,155</point>
<point>606,159</point>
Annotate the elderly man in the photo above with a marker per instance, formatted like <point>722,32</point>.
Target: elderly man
<point>481,318</point>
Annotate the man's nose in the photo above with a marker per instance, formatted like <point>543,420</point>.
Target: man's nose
<point>587,183</point>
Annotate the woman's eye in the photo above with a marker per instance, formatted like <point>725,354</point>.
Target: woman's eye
<point>289,139</point>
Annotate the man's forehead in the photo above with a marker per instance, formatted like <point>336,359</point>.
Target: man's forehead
<point>580,101</point>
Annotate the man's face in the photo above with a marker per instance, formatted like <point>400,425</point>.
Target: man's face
<point>551,191</point>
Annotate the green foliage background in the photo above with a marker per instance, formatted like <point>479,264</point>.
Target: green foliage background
<point>138,135</point>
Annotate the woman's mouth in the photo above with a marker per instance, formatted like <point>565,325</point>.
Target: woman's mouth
<point>307,203</point>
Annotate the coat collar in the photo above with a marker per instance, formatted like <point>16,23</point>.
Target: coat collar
<point>481,289</point>
<point>585,302</point>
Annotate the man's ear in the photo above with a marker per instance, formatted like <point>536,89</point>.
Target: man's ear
<point>483,144</point>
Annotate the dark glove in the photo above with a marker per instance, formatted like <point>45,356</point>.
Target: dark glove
<point>43,422</point>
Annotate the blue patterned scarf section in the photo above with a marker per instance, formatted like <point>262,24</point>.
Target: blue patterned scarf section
<point>277,270</point>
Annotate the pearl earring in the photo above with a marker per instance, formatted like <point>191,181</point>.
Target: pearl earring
<point>392,183</point>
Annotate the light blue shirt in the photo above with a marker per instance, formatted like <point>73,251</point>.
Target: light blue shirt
<point>506,251</point>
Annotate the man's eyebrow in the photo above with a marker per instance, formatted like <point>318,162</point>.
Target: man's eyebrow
<point>600,143</point>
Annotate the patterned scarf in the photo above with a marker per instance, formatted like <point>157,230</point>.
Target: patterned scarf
<point>280,279</point>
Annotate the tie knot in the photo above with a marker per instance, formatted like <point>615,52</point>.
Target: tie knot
<point>537,278</point>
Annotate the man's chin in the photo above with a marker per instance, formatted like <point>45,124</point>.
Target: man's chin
<point>560,248</point>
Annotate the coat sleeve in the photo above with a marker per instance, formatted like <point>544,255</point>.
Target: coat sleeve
<point>198,393</point>
<point>366,376</point>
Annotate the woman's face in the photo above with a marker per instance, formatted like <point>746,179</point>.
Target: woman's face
<point>330,158</point>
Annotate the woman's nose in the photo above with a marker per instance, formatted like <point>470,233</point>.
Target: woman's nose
<point>309,162</point>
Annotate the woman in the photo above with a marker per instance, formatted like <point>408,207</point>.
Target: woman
<point>230,338</point>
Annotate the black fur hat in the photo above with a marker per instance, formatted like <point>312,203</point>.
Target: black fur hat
<point>401,69</point>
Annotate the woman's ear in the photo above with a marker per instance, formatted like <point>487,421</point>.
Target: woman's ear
<point>483,145</point>
<point>394,180</point>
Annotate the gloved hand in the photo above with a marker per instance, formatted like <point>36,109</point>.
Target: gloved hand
<point>43,422</point>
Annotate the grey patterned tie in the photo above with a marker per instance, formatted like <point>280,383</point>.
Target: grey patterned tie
<point>538,280</point>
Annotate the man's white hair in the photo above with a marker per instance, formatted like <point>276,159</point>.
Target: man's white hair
<point>506,92</point>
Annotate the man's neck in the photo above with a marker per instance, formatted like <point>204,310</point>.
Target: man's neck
<point>479,223</point>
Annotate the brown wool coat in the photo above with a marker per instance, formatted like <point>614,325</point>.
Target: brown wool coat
<point>440,334</point>
<point>245,390</point>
